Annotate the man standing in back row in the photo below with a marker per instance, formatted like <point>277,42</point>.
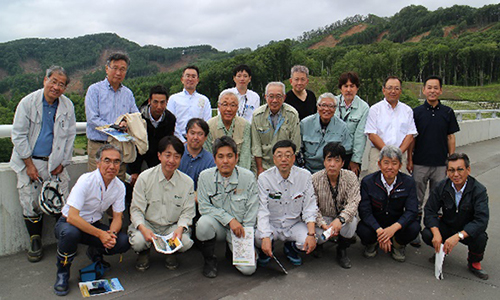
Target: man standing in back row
<point>249,100</point>
<point>189,103</point>
<point>390,122</point>
<point>105,101</point>
<point>273,122</point>
<point>43,133</point>
<point>436,125</point>
<point>303,100</point>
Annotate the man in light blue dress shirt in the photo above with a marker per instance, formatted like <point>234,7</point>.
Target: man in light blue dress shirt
<point>105,101</point>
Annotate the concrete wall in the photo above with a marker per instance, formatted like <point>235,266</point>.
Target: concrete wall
<point>13,234</point>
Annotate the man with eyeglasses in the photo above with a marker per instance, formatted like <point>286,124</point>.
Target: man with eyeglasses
<point>388,207</point>
<point>189,103</point>
<point>162,203</point>
<point>228,202</point>
<point>321,128</point>
<point>43,133</point>
<point>436,125</point>
<point>457,211</point>
<point>228,123</point>
<point>287,209</point>
<point>92,195</point>
<point>272,122</point>
<point>105,101</point>
<point>390,122</point>
<point>249,100</point>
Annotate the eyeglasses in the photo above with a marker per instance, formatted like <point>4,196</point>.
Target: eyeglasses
<point>57,83</point>
<point>272,96</point>
<point>393,88</point>
<point>459,170</point>
<point>327,106</point>
<point>226,105</point>
<point>108,161</point>
<point>283,155</point>
<point>116,69</point>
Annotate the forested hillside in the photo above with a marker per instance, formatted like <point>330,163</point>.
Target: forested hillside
<point>459,43</point>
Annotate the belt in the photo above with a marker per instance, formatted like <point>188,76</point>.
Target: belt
<point>100,142</point>
<point>44,158</point>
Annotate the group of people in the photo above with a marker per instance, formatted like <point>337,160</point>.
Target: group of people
<point>289,168</point>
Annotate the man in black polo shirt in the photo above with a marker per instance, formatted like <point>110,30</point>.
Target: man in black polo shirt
<point>436,125</point>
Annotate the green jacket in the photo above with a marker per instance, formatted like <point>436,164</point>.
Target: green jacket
<point>355,118</point>
<point>264,136</point>
<point>238,200</point>
<point>239,131</point>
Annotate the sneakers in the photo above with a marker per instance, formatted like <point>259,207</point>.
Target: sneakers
<point>398,251</point>
<point>263,259</point>
<point>171,262</point>
<point>478,272</point>
<point>370,250</point>
<point>142,262</point>
<point>292,254</point>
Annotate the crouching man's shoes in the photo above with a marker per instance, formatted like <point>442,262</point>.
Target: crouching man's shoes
<point>476,269</point>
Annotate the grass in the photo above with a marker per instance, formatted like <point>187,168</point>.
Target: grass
<point>487,93</point>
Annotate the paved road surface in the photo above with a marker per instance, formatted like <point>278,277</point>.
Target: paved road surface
<point>378,278</point>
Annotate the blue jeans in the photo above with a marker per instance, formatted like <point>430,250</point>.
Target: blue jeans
<point>68,237</point>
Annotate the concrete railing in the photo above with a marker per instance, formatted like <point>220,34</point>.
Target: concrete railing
<point>14,237</point>
<point>477,113</point>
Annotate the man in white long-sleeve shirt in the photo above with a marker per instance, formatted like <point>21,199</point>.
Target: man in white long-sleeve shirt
<point>189,103</point>
<point>287,209</point>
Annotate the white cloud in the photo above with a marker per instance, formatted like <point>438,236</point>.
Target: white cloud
<point>223,24</point>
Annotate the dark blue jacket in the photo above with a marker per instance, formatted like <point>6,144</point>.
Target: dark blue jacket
<point>377,209</point>
<point>472,213</point>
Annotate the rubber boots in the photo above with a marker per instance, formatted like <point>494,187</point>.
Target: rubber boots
<point>210,267</point>
<point>34,226</point>
<point>61,287</point>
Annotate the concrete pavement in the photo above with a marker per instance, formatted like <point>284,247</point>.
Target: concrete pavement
<point>378,278</point>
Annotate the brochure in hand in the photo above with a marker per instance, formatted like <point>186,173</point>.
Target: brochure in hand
<point>167,244</point>
<point>112,130</point>
<point>100,287</point>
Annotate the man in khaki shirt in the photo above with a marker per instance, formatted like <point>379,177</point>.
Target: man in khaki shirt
<point>272,122</point>
<point>162,203</point>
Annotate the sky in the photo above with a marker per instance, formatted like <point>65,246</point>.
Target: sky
<point>223,24</point>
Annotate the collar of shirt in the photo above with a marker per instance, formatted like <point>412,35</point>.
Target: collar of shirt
<point>161,177</point>
<point>199,156</point>
<point>186,93</point>
<point>428,106</point>
<point>459,193</point>
<point>389,106</point>
<point>387,186</point>
<point>233,179</point>
<point>46,103</point>
<point>111,87</point>
<point>221,125</point>
<point>153,121</point>
<point>290,178</point>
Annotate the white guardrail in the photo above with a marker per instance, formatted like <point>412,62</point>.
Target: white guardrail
<point>494,113</point>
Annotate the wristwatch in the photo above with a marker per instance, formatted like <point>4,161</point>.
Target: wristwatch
<point>341,219</point>
<point>461,236</point>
